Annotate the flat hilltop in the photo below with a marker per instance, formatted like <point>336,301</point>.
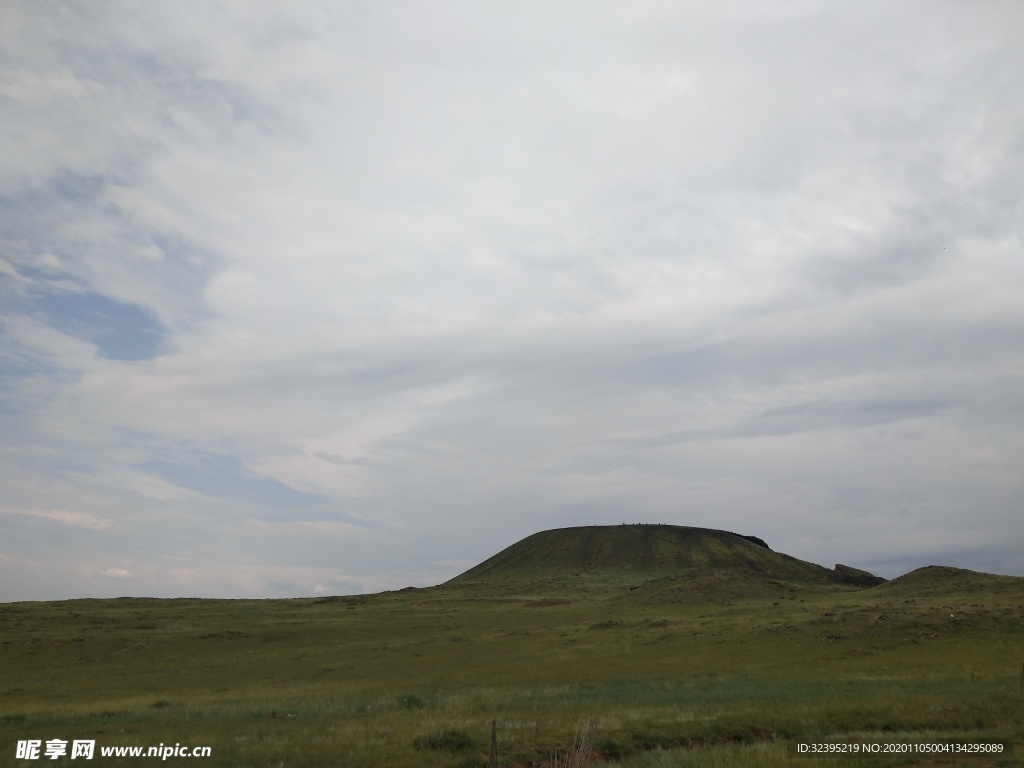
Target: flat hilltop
<point>634,549</point>
<point>668,563</point>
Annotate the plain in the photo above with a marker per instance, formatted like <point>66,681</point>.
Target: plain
<point>415,677</point>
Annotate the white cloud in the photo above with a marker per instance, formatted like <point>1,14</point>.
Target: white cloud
<point>65,517</point>
<point>117,573</point>
<point>461,274</point>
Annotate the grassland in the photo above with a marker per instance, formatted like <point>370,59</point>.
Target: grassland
<point>413,678</point>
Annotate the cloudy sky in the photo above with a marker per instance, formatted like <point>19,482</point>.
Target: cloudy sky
<point>329,298</point>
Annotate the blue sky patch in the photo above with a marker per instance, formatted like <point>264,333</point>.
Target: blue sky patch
<point>226,477</point>
<point>120,331</point>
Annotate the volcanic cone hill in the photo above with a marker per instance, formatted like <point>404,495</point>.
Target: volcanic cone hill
<point>662,563</point>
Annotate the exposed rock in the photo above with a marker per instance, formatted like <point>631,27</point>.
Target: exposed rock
<point>856,576</point>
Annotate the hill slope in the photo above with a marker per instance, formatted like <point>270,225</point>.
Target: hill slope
<point>935,580</point>
<point>651,553</point>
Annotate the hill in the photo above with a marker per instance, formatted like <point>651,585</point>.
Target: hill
<point>665,562</point>
<point>936,580</point>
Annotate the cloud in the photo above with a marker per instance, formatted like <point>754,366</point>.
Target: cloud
<point>117,573</point>
<point>404,287</point>
<point>804,417</point>
<point>290,581</point>
<point>65,517</point>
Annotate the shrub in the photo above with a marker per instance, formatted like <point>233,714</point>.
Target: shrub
<point>612,749</point>
<point>448,741</point>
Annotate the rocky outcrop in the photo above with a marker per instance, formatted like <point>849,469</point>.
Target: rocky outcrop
<point>856,576</point>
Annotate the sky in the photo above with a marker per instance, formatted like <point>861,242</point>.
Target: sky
<point>329,298</point>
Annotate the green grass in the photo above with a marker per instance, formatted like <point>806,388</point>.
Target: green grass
<point>414,678</point>
<point>645,551</point>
